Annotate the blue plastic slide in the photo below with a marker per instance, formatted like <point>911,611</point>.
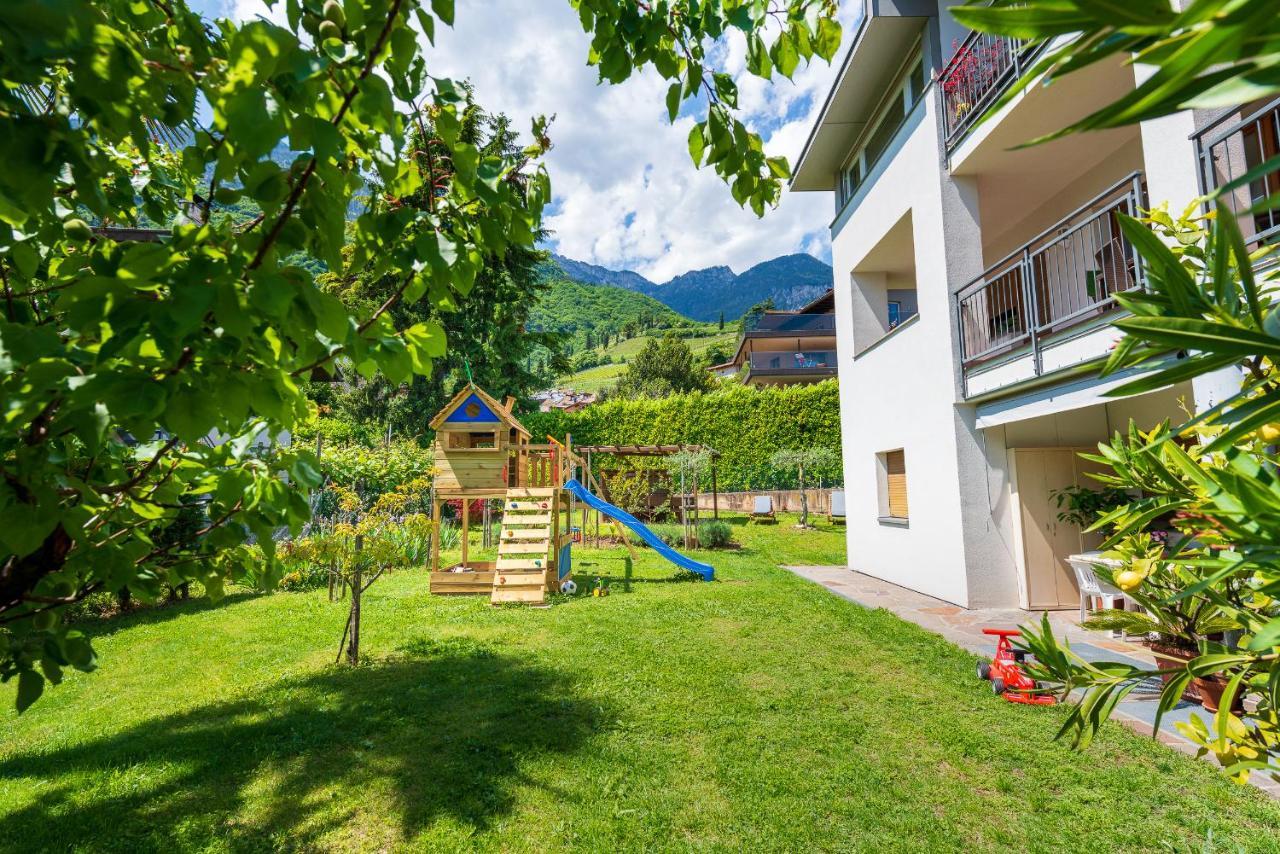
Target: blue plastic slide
<point>587,497</point>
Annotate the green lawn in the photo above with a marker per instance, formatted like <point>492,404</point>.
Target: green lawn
<point>756,712</point>
<point>594,379</point>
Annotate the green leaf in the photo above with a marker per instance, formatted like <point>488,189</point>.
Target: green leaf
<point>443,10</point>
<point>784,54</point>
<point>827,42</point>
<point>1204,335</point>
<point>673,101</point>
<point>697,144</point>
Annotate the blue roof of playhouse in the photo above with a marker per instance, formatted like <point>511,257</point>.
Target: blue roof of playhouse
<point>472,405</point>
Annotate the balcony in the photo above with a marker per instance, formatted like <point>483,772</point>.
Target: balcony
<point>978,73</point>
<point>1231,148</point>
<point>785,365</point>
<point>1067,276</point>
<point>789,324</point>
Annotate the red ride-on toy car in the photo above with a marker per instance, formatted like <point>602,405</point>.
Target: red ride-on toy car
<point>1005,672</point>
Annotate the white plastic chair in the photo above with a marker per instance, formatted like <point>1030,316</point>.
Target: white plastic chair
<point>1092,586</point>
<point>762,509</point>
<point>837,505</point>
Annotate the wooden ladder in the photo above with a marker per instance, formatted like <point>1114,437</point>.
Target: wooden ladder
<point>524,546</point>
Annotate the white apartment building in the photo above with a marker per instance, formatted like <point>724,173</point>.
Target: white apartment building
<point>974,292</point>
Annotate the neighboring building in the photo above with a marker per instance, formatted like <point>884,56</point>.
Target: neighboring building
<point>960,421</point>
<point>564,399</point>
<point>789,347</point>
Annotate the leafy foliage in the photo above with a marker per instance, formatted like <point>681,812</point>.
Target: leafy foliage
<point>675,36</point>
<point>714,534</point>
<point>802,460</point>
<point>745,425</point>
<point>1216,475</point>
<point>487,335</point>
<point>1206,53</point>
<point>209,332</point>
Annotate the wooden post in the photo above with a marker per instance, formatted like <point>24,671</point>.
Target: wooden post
<point>435,535</point>
<point>357,581</point>
<point>715,491</point>
<point>466,527</point>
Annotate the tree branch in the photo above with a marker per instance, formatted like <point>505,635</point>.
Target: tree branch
<point>296,194</point>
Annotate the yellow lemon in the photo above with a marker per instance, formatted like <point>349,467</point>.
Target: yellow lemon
<point>1129,579</point>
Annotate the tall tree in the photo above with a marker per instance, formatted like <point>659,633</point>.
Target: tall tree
<point>663,368</point>
<point>488,341</point>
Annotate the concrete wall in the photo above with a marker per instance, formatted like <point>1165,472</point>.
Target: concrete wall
<point>900,391</point>
<point>784,501</point>
<point>904,389</point>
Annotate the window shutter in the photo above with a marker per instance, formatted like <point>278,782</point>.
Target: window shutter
<point>896,475</point>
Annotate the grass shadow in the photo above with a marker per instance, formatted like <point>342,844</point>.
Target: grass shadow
<point>438,732</point>
<point>106,625</point>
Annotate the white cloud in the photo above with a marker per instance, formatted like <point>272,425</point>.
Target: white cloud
<point>626,193</point>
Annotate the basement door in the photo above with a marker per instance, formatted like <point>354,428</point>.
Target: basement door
<point>1045,580</point>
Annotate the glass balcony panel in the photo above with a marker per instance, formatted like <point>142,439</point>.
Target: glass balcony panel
<point>802,323</point>
<point>803,360</point>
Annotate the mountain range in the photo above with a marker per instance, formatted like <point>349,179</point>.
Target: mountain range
<point>790,281</point>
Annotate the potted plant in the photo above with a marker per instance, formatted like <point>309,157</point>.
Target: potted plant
<point>1177,627</point>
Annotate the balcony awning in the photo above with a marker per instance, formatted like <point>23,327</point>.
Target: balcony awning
<point>1090,391</point>
<point>876,56</point>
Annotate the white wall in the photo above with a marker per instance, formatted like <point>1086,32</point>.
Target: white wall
<point>900,393</point>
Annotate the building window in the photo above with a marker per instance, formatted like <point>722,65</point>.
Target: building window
<point>904,94</point>
<point>895,314</point>
<point>892,470</point>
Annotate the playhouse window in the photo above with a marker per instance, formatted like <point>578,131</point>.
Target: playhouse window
<point>473,440</point>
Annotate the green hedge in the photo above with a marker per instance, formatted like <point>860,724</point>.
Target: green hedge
<point>745,425</point>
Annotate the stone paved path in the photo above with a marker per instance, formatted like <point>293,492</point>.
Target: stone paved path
<point>963,627</point>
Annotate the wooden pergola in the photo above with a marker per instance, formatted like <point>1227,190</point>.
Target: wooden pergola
<point>657,451</point>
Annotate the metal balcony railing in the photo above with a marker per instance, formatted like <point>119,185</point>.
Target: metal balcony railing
<point>1067,275</point>
<point>804,324</point>
<point>979,71</point>
<point>1229,149</point>
<point>804,361</point>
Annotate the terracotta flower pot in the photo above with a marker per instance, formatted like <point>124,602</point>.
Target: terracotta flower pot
<point>1211,688</point>
<point>1171,660</point>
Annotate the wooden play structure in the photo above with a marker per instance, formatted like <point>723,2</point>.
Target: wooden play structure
<point>482,451</point>
<point>684,500</point>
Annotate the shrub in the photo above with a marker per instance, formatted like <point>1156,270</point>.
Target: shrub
<point>377,470</point>
<point>672,535</point>
<point>714,534</point>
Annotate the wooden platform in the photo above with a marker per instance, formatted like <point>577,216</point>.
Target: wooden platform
<point>464,583</point>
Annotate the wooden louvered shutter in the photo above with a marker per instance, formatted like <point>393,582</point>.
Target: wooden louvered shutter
<point>895,463</point>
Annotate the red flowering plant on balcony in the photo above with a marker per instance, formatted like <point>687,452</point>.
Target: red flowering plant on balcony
<point>972,71</point>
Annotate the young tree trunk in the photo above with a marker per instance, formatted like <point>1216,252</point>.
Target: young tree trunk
<point>353,629</point>
<point>804,501</point>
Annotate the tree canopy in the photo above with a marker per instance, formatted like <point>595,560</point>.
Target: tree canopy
<point>664,367</point>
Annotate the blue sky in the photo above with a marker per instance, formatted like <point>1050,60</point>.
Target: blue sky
<point>626,193</point>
